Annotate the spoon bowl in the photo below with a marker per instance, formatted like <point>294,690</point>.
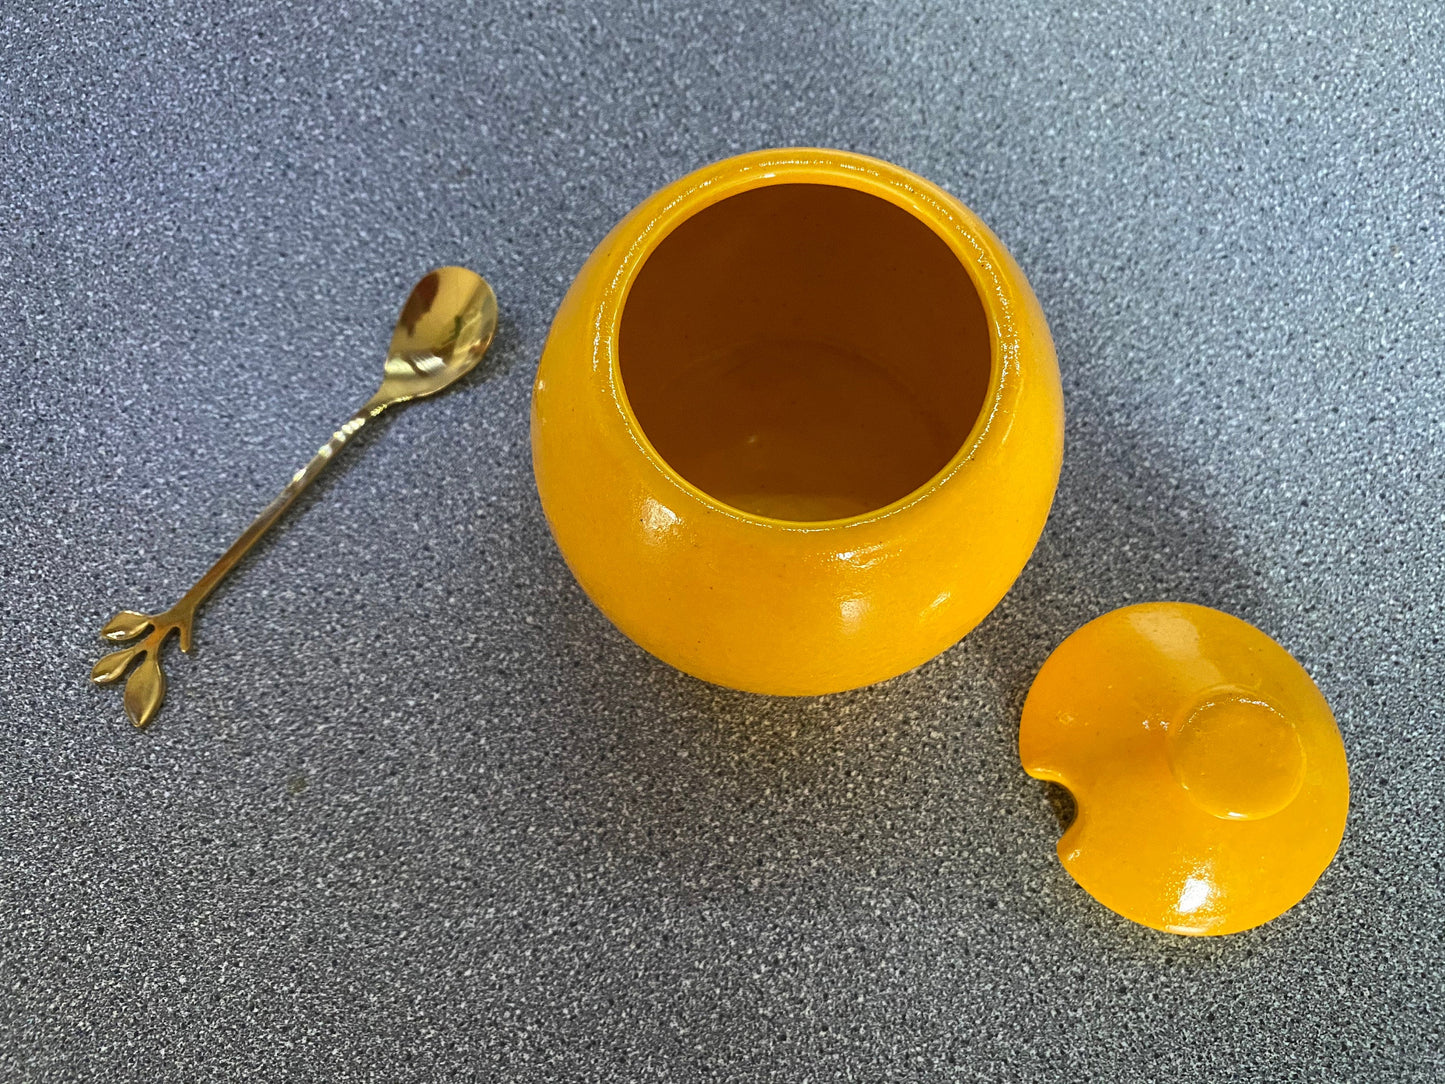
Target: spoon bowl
<point>444,329</point>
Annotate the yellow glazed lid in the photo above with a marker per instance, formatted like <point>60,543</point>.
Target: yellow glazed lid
<point>1209,774</point>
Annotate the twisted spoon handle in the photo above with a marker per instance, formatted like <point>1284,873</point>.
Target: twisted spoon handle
<point>146,687</point>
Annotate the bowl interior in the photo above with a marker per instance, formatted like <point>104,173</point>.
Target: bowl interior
<point>804,351</point>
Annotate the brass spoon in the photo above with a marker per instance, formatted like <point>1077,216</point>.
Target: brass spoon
<point>444,329</point>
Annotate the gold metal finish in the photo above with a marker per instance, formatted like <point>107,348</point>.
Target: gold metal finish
<point>444,329</point>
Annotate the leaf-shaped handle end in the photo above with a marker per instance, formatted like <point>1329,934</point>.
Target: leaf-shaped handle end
<point>126,625</point>
<point>112,666</point>
<point>144,691</point>
<point>146,686</point>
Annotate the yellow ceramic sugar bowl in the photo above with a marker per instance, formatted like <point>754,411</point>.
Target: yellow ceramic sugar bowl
<point>798,423</point>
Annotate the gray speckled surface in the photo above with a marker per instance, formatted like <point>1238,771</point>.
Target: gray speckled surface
<point>415,811</point>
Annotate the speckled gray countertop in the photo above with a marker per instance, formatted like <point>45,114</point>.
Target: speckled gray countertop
<point>416,811</point>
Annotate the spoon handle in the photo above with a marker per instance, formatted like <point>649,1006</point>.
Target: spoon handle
<point>146,688</point>
<point>272,512</point>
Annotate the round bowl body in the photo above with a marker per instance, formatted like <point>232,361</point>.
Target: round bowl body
<point>798,422</point>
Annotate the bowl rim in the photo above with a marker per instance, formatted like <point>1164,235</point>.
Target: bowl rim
<point>966,237</point>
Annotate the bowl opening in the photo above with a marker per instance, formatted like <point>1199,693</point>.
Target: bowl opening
<point>805,351</point>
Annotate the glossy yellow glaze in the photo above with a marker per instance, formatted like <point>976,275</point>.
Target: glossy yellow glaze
<point>1209,774</point>
<point>850,426</point>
